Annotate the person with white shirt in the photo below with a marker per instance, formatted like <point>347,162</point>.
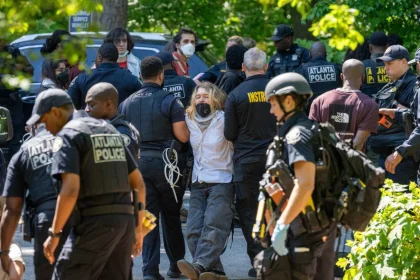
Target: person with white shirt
<point>211,202</point>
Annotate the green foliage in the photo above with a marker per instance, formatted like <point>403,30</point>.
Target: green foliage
<point>333,54</point>
<point>390,247</point>
<point>214,20</point>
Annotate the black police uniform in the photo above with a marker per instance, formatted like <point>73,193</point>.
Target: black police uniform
<point>100,244</point>
<point>28,171</point>
<point>153,111</point>
<point>129,133</point>
<point>229,80</point>
<point>321,75</point>
<point>375,76</point>
<point>386,139</point>
<point>318,262</point>
<point>412,144</point>
<point>213,72</point>
<point>287,61</point>
<point>109,72</point>
<point>251,128</point>
<point>180,86</point>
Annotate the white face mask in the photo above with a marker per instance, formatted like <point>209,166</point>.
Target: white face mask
<point>124,54</point>
<point>188,50</point>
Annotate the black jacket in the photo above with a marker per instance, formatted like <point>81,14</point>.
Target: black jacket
<point>180,86</point>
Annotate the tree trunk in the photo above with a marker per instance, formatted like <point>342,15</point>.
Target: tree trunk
<point>301,30</point>
<point>114,15</point>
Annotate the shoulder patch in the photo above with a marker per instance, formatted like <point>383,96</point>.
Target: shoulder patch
<point>293,136</point>
<point>127,139</point>
<point>179,103</point>
<point>58,143</point>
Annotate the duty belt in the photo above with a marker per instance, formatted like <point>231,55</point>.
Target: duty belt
<point>151,153</point>
<point>108,209</point>
<point>48,205</point>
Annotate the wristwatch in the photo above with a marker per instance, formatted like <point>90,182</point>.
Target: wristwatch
<point>141,206</point>
<point>52,234</point>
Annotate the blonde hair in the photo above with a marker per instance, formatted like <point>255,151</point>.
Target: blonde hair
<point>237,39</point>
<point>217,98</point>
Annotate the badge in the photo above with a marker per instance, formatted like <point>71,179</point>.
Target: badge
<point>394,89</point>
<point>58,143</point>
<point>294,57</point>
<point>278,59</point>
<point>293,136</point>
<point>275,31</point>
<point>179,103</point>
<point>127,139</point>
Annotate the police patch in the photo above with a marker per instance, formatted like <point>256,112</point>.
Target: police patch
<point>41,153</point>
<point>275,31</point>
<point>179,103</point>
<point>293,136</point>
<point>108,148</point>
<point>58,143</point>
<point>127,139</point>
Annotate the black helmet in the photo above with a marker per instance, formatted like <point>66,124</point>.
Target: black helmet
<point>288,83</point>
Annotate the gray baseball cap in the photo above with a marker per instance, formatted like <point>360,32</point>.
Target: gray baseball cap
<point>45,101</point>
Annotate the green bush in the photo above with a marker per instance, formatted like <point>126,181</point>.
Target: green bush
<point>390,247</point>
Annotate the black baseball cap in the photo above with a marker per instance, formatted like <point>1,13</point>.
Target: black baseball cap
<point>281,31</point>
<point>394,52</point>
<point>378,38</point>
<point>416,58</point>
<point>166,57</point>
<point>46,100</point>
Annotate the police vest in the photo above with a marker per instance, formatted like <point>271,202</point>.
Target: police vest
<point>322,76</point>
<point>135,135</point>
<point>153,126</point>
<point>375,77</point>
<point>281,64</point>
<point>39,151</point>
<point>103,169</point>
<point>385,99</point>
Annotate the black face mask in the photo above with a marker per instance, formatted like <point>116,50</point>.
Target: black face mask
<point>203,109</point>
<point>63,77</point>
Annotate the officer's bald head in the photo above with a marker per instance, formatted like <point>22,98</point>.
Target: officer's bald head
<point>353,71</point>
<point>104,92</point>
<point>102,101</point>
<point>318,50</point>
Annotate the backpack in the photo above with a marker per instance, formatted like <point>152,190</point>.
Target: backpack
<point>353,195</point>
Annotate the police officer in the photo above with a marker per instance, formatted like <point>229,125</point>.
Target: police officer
<point>107,70</point>
<point>213,72</point>
<point>411,146</point>
<point>311,255</point>
<point>160,119</point>
<point>28,171</point>
<point>289,56</point>
<point>321,74</point>
<point>251,128</point>
<point>97,173</point>
<point>180,86</point>
<point>398,93</point>
<point>102,103</point>
<point>375,76</point>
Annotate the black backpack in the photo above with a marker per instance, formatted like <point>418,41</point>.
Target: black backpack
<point>353,195</point>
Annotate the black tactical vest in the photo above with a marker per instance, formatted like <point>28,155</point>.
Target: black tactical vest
<point>103,168</point>
<point>375,77</point>
<point>38,151</point>
<point>147,116</point>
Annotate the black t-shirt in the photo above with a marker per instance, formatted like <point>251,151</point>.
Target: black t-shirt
<point>298,136</point>
<point>229,81</point>
<point>68,159</point>
<point>248,122</point>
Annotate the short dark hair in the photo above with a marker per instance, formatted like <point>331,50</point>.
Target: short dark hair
<point>49,66</point>
<point>117,33</point>
<point>178,36</point>
<point>151,67</point>
<point>235,56</point>
<point>108,51</point>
